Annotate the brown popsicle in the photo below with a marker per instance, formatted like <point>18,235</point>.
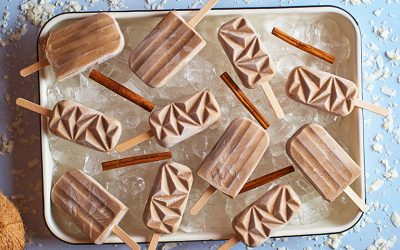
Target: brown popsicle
<point>167,200</point>
<point>90,206</point>
<point>326,91</point>
<point>249,58</point>
<point>168,47</point>
<point>75,47</point>
<point>232,160</point>
<point>179,120</point>
<point>80,124</point>
<point>325,164</point>
<point>272,211</point>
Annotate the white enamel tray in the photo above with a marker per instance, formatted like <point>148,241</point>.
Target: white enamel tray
<point>336,222</point>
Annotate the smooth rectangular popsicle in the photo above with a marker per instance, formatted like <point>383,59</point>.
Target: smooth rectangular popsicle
<point>184,118</point>
<point>165,50</point>
<point>73,48</point>
<point>94,210</point>
<point>268,213</point>
<point>246,52</point>
<point>322,160</point>
<point>168,198</point>
<point>235,156</point>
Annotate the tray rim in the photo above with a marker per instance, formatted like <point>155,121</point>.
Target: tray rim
<point>211,236</point>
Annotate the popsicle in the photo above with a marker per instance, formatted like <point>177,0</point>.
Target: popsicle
<point>326,91</point>
<point>79,124</point>
<point>179,120</point>
<point>324,163</point>
<point>272,211</point>
<point>167,200</point>
<point>75,47</point>
<point>249,58</point>
<point>168,47</point>
<point>232,160</point>
<point>94,210</point>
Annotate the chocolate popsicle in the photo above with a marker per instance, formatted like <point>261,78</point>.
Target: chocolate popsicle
<point>91,207</point>
<point>249,58</point>
<point>168,47</point>
<point>273,210</point>
<point>326,91</point>
<point>167,200</point>
<point>324,163</point>
<point>80,124</point>
<point>179,120</point>
<point>75,47</point>
<point>232,160</point>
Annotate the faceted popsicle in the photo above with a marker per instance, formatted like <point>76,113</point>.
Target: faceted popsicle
<point>184,118</point>
<point>268,213</point>
<point>168,197</point>
<point>85,126</point>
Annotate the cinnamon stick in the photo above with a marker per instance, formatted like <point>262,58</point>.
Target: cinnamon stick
<point>135,160</point>
<point>121,90</point>
<point>266,179</point>
<point>303,46</point>
<point>244,100</point>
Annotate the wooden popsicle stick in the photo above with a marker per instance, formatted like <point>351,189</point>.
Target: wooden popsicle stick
<point>202,200</point>
<point>125,238</point>
<point>154,241</point>
<point>121,90</point>
<point>266,179</point>
<point>33,68</point>
<point>356,199</point>
<point>134,141</point>
<point>303,46</point>
<point>230,243</point>
<point>272,100</point>
<point>33,107</point>
<point>244,100</point>
<point>135,160</point>
<point>371,107</point>
<point>201,13</point>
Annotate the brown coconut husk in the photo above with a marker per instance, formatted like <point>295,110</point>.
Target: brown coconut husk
<point>12,233</point>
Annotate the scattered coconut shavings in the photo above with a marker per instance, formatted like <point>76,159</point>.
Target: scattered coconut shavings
<point>388,123</point>
<point>169,246</point>
<point>356,2</point>
<point>37,11</point>
<point>71,6</point>
<point>119,4</point>
<point>382,244</point>
<point>372,46</point>
<point>391,174</point>
<point>378,137</point>
<point>33,163</point>
<point>382,32</point>
<point>379,62</point>
<point>388,91</point>
<point>333,240</point>
<point>395,219</point>
<point>378,12</point>
<point>376,185</point>
<point>393,55</point>
<point>377,147</point>
<point>7,145</point>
